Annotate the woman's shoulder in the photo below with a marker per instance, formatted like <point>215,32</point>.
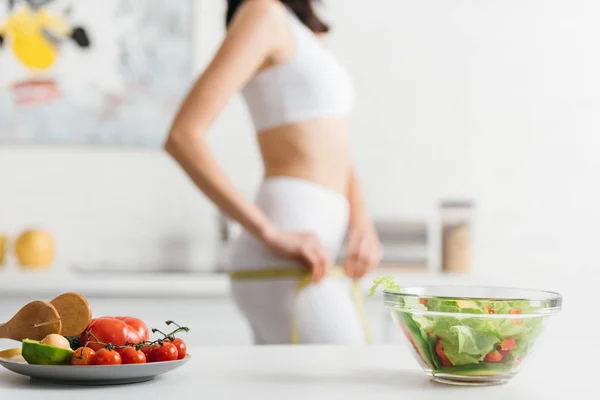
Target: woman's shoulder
<point>262,10</point>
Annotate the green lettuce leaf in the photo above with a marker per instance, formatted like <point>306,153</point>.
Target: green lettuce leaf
<point>413,303</point>
<point>440,305</point>
<point>388,283</point>
<point>474,342</point>
<point>505,328</point>
<point>500,307</point>
<point>465,340</point>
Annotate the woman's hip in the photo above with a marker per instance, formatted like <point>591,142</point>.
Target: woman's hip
<point>286,310</point>
<point>293,204</point>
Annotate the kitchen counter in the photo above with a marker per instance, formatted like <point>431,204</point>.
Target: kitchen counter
<point>564,362</point>
<point>17,283</point>
<point>319,372</point>
<point>47,284</point>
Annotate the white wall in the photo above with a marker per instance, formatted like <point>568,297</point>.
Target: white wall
<point>494,100</point>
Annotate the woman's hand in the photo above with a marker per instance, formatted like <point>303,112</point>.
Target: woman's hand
<point>304,247</point>
<point>364,252</point>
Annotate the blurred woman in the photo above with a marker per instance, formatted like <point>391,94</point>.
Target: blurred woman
<point>299,96</point>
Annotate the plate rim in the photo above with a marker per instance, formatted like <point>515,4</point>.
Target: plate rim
<point>9,361</point>
<point>86,372</point>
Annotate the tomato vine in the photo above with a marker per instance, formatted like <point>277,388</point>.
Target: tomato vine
<point>146,343</point>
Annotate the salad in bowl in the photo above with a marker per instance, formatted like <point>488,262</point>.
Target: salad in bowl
<point>469,335</point>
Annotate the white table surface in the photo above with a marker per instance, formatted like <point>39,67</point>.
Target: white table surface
<point>321,372</point>
<point>563,367</point>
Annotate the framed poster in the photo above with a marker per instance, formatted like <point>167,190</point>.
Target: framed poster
<point>90,72</point>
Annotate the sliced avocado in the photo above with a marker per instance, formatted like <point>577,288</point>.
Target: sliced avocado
<point>465,304</point>
<point>41,354</point>
<point>481,369</point>
<point>425,346</point>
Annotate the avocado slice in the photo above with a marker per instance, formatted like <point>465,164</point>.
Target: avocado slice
<point>425,346</point>
<point>37,353</point>
<point>481,369</point>
<point>465,304</point>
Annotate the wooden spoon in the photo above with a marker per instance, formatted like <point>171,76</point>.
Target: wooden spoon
<point>35,321</point>
<point>75,313</point>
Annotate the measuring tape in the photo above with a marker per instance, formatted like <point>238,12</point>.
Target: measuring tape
<point>304,281</point>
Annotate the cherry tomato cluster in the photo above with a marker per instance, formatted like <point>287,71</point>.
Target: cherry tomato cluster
<point>100,347</point>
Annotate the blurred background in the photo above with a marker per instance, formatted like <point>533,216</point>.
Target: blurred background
<point>475,135</point>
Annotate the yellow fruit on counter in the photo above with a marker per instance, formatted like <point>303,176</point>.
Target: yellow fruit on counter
<point>2,249</point>
<point>35,248</point>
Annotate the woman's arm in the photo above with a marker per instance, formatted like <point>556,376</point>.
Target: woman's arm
<point>358,209</point>
<point>251,39</point>
<point>364,250</point>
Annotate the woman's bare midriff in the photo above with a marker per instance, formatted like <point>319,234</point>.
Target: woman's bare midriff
<point>316,150</point>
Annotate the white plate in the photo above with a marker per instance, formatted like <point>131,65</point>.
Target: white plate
<point>93,374</point>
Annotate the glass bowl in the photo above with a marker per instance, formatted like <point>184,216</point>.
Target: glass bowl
<point>466,335</point>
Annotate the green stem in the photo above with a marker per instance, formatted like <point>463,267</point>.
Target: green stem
<point>154,330</point>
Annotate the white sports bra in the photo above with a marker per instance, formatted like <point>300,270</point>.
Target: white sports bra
<point>311,84</point>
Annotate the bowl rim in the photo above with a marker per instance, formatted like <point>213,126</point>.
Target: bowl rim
<point>552,299</point>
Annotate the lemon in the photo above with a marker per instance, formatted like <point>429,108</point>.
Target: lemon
<point>34,248</point>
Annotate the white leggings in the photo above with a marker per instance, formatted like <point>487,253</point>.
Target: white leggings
<point>324,312</point>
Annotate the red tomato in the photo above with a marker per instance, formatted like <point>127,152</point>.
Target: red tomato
<point>129,355</point>
<point>490,309</point>
<point>440,352</point>
<point>494,357</point>
<point>83,356</point>
<point>114,331</point>
<point>107,357</point>
<point>105,330</point>
<point>514,321</point>
<point>147,350</point>
<point>518,362</point>
<point>508,344</point>
<point>166,352</point>
<point>138,326</point>
<point>181,348</point>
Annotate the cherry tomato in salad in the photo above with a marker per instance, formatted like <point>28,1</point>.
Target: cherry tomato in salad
<point>490,309</point>
<point>514,321</point>
<point>508,344</point>
<point>107,357</point>
<point>129,355</point>
<point>494,357</point>
<point>165,352</point>
<point>439,349</point>
<point>181,347</point>
<point>518,362</point>
<point>83,356</point>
